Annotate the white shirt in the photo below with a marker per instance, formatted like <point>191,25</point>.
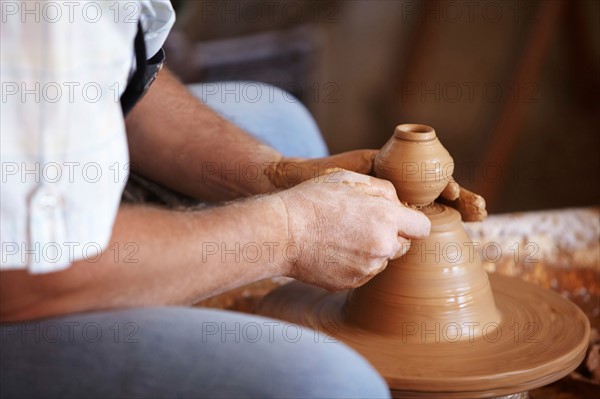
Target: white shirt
<point>63,148</point>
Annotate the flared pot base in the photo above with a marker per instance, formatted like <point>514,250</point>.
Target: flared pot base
<point>542,337</point>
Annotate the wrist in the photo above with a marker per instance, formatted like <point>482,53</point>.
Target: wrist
<point>284,233</point>
<point>296,245</point>
<point>273,239</point>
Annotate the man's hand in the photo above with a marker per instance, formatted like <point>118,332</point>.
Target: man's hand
<point>353,224</point>
<point>291,171</point>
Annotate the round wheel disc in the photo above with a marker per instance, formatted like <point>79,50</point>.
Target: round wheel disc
<point>542,337</point>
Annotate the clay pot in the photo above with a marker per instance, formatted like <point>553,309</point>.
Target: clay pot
<point>433,323</point>
<point>416,163</point>
<point>439,285</point>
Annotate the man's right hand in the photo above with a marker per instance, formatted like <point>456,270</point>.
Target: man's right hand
<point>347,226</point>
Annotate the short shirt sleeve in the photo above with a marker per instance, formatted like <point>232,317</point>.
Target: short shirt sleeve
<point>63,147</point>
<point>157,19</point>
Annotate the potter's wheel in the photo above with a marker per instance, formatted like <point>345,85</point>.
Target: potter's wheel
<point>433,323</point>
<point>542,337</point>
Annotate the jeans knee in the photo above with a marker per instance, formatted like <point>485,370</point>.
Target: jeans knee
<point>294,132</point>
<point>267,112</point>
<point>349,375</point>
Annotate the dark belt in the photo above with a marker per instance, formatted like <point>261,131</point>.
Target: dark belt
<point>144,75</point>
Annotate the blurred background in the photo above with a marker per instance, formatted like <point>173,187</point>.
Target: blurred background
<point>511,87</point>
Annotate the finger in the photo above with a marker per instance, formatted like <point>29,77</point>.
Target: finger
<point>337,175</point>
<point>359,161</point>
<point>470,205</point>
<point>412,223</point>
<point>369,276</point>
<point>404,247</point>
<point>451,191</point>
<point>382,188</point>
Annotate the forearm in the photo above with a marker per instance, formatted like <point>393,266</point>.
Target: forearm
<point>181,143</point>
<point>158,257</point>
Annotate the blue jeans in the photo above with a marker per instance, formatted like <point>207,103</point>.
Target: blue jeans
<point>268,113</point>
<point>191,352</point>
<point>178,352</point>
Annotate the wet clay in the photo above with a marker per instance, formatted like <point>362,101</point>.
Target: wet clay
<point>542,337</point>
<point>433,323</point>
<point>440,280</point>
<point>470,205</point>
<point>452,191</point>
<point>416,163</point>
<point>292,171</point>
